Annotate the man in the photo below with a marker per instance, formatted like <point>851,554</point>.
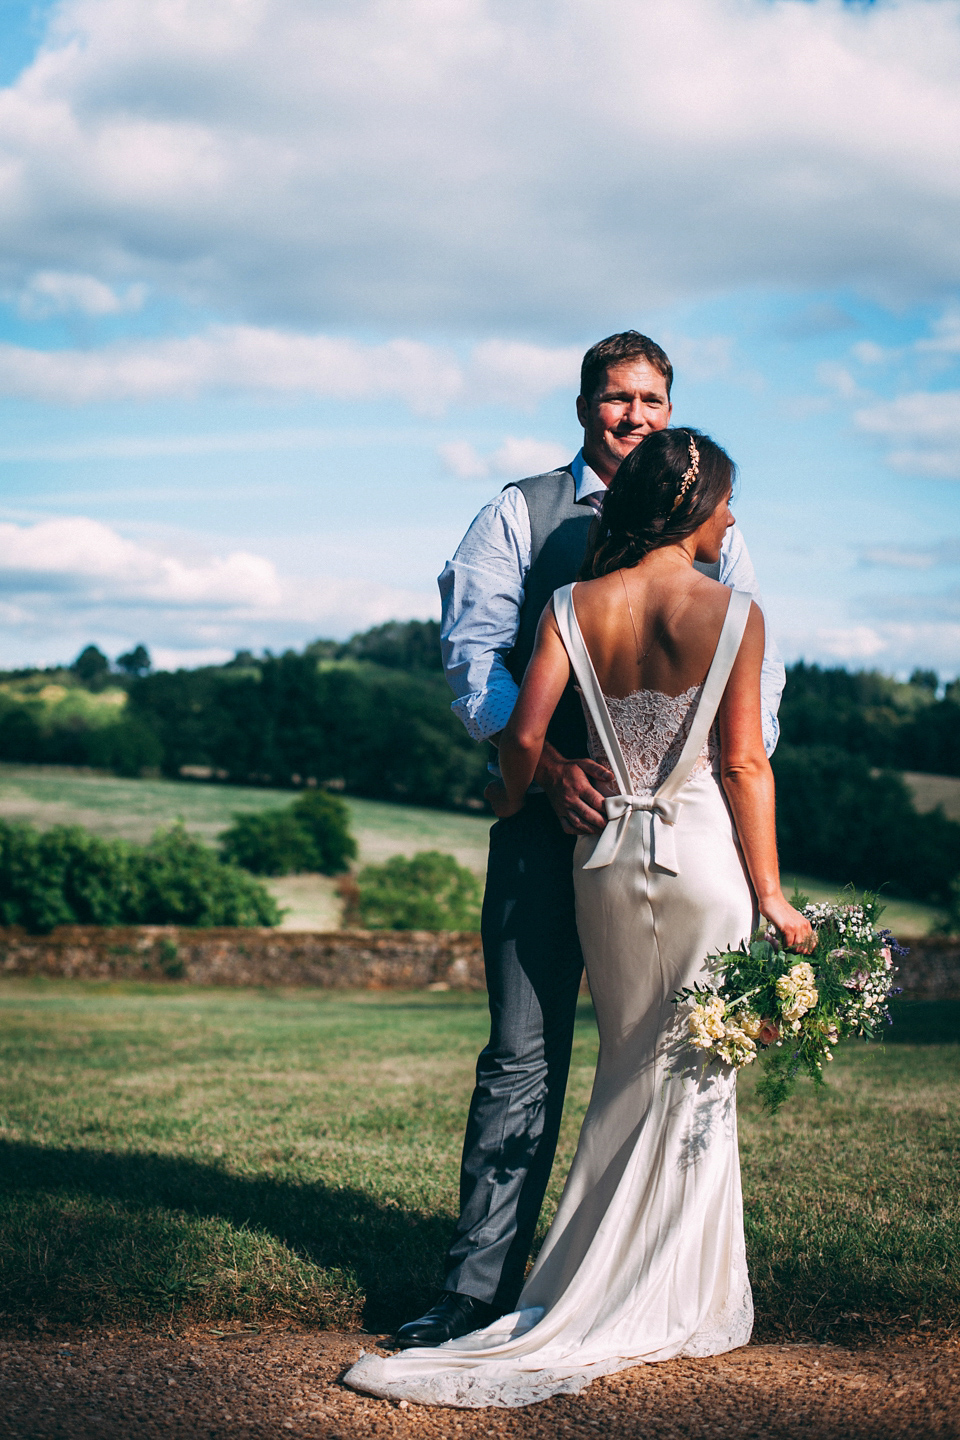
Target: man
<point>521,547</point>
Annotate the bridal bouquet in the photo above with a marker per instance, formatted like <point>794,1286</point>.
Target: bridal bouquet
<point>792,1009</point>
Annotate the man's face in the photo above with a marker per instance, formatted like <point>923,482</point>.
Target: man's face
<point>630,402</point>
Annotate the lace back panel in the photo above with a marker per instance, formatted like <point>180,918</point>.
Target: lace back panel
<point>652,729</point>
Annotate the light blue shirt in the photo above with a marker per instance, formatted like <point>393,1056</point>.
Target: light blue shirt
<point>481,592</point>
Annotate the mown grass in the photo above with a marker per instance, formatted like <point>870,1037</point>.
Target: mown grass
<point>237,1154</point>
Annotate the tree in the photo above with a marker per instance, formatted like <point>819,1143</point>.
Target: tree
<point>135,662</point>
<point>91,666</point>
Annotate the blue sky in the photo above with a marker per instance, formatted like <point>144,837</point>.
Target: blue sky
<point>288,291</point>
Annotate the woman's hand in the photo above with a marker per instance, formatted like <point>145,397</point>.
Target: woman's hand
<point>502,806</point>
<point>795,928</point>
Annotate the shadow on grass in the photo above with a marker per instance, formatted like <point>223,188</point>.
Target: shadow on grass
<point>88,1233</point>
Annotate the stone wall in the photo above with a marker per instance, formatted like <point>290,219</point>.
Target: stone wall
<point>343,959</point>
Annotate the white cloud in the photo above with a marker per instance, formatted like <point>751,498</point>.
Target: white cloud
<point>926,427</point>
<point>477,164</point>
<point>516,457</point>
<point>895,647</point>
<point>67,581</point>
<point>96,563</point>
<point>50,292</point>
<point>254,358</point>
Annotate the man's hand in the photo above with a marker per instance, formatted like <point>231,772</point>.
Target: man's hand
<point>576,790</point>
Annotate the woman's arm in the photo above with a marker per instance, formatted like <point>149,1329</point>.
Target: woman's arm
<point>522,740</point>
<point>748,782</point>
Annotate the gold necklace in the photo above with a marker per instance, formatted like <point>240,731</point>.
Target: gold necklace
<point>660,627</point>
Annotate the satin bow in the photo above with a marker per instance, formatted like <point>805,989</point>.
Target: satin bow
<point>619,808</point>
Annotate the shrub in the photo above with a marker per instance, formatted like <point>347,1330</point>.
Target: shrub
<point>180,881</point>
<point>327,820</point>
<point>66,876</point>
<point>274,843</point>
<point>428,892</point>
<point>313,834</point>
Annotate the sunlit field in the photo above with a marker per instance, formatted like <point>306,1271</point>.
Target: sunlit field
<point>177,1152</point>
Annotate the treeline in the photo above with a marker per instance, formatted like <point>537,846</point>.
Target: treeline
<point>889,724</point>
<point>371,716</point>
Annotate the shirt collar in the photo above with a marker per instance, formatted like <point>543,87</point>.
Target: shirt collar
<point>587,481</point>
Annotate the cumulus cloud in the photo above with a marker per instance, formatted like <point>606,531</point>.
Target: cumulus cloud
<point>516,457</point>
<point>66,581</point>
<point>926,428</point>
<point>96,563</point>
<point>483,165</point>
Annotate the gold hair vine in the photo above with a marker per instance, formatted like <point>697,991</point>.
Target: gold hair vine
<point>689,475</point>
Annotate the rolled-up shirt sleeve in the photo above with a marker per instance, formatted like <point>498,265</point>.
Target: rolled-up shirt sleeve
<point>481,592</point>
<point>736,570</point>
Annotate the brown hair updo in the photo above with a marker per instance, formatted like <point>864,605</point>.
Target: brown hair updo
<point>641,511</point>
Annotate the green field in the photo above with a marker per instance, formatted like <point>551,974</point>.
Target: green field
<point>238,1154</point>
<point>133,809</point>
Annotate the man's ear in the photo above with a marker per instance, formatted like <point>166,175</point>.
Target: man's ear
<point>582,411</point>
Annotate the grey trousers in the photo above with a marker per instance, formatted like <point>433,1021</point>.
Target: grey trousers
<point>533,966</point>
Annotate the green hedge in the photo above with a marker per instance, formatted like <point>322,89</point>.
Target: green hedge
<point>66,876</point>
<point>313,834</point>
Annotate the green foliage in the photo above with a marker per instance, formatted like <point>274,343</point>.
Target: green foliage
<point>884,722</point>
<point>835,817</point>
<point>313,834</point>
<point>381,733</point>
<point>326,819</point>
<point>135,662</point>
<point>270,843</point>
<point>61,723</point>
<point>398,645</point>
<point>430,891</point>
<point>66,876</point>
<point>91,666</point>
<point>180,881</point>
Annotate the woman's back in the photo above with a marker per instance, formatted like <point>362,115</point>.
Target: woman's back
<point>652,633</point>
<point>653,627</point>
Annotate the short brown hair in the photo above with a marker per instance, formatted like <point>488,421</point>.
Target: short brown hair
<point>628,345</point>
<point>646,507</point>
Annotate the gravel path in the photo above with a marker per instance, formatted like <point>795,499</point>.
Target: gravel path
<point>111,1385</point>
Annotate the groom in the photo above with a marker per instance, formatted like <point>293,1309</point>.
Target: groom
<point>519,549</point>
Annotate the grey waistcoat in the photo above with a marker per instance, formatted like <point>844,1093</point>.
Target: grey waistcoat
<point>558,540</point>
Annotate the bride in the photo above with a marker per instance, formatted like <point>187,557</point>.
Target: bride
<point>645,1258</point>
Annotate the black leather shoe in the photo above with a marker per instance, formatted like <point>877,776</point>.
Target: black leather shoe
<point>453,1315</point>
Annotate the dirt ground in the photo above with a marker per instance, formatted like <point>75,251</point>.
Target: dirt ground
<point>110,1385</point>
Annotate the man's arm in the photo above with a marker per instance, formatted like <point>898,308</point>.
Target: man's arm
<point>736,570</point>
<point>481,592</point>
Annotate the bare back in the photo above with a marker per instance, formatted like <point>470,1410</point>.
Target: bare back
<point>677,616</point>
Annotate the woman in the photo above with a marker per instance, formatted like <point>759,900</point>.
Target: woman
<point>645,1258</point>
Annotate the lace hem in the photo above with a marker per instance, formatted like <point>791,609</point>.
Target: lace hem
<point>485,1383</point>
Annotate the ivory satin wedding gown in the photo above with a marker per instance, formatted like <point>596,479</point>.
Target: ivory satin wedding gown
<point>645,1258</point>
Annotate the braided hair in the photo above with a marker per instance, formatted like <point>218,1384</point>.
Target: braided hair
<point>664,490</point>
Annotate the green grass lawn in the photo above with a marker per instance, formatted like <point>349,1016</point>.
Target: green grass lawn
<point>220,1154</point>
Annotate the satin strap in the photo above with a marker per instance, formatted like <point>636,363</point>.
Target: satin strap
<point>664,805</point>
